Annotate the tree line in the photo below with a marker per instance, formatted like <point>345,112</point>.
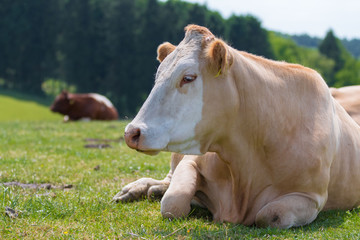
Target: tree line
<point>351,45</point>
<point>109,46</point>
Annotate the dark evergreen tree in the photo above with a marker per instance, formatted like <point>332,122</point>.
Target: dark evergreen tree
<point>122,71</point>
<point>109,46</point>
<point>216,23</point>
<point>83,44</point>
<point>197,14</point>
<point>28,38</point>
<point>174,17</point>
<point>245,33</point>
<point>330,47</point>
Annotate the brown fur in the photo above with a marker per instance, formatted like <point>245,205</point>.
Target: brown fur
<point>164,50</point>
<point>78,106</point>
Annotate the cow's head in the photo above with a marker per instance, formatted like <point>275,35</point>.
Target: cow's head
<point>183,110</point>
<point>62,103</point>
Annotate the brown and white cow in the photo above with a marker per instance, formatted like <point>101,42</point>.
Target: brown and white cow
<point>84,106</point>
<point>277,147</point>
<point>349,99</point>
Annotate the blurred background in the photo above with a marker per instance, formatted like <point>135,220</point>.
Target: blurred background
<point>109,46</point>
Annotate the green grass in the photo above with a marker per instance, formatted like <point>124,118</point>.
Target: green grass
<point>15,106</point>
<point>49,151</point>
<point>53,152</point>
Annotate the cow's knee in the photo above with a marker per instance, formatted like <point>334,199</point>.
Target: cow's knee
<point>175,206</point>
<point>289,211</point>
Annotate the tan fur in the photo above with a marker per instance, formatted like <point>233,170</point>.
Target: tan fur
<point>349,99</point>
<point>192,28</point>
<point>277,147</point>
<point>164,50</point>
<point>218,57</point>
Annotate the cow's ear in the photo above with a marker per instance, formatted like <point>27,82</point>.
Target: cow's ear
<point>65,94</point>
<point>163,50</point>
<point>218,56</point>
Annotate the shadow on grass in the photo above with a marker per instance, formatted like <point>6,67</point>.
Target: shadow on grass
<point>199,225</point>
<point>324,222</point>
<point>327,219</point>
<point>198,212</point>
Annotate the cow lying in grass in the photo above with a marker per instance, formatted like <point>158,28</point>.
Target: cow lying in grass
<point>90,106</point>
<point>349,99</point>
<point>277,148</point>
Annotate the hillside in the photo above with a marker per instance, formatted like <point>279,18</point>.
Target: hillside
<point>353,45</point>
<point>15,106</point>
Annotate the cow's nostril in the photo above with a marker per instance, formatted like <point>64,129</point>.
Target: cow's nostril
<point>132,137</point>
<point>135,138</point>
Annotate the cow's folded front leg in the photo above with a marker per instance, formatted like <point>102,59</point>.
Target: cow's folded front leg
<point>156,192</point>
<point>144,187</point>
<point>291,210</point>
<point>177,199</point>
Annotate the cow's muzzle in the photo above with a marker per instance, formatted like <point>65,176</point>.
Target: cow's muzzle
<point>132,137</point>
<point>140,140</point>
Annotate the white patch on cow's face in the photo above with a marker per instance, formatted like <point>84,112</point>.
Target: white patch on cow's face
<point>168,117</point>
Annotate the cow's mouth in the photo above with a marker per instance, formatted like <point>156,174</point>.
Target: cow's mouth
<point>150,152</point>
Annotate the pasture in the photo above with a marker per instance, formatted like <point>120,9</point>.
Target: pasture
<point>15,106</point>
<point>84,164</point>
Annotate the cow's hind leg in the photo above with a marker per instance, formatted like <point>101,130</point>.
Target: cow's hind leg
<point>177,199</point>
<point>291,210</point>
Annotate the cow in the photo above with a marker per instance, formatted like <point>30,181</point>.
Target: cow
<point>256,141</point>
<point>91,106</point>
<point>349,99</point>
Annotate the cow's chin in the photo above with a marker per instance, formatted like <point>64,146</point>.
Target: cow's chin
<point>189,147</point>
<point>151,153</point>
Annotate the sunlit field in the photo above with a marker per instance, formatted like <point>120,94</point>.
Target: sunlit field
<point>60,178</point>
<point>22,107</point>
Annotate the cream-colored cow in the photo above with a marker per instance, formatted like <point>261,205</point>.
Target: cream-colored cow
<point>349,99</point>
<point>277,147</point>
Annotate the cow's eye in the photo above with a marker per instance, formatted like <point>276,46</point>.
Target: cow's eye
<point>187,79</point>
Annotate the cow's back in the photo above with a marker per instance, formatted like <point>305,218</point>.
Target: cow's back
<point>349,99</point>
<point>102,107</point>
<point>92,106</point>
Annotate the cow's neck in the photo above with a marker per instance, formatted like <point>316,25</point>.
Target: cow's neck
<point>241,145</point>
<point>243,160</point>
<point>268,121</point>
<point>240,138</point>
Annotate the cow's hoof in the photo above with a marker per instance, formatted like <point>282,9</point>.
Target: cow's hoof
<point>124,197</point>
<point>131,192</point>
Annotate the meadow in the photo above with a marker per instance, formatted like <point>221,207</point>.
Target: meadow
<point>82,165</point>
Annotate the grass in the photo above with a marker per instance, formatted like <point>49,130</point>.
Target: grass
<point>53,152</point>
<point>49,151</point>
<point>15,106</point>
